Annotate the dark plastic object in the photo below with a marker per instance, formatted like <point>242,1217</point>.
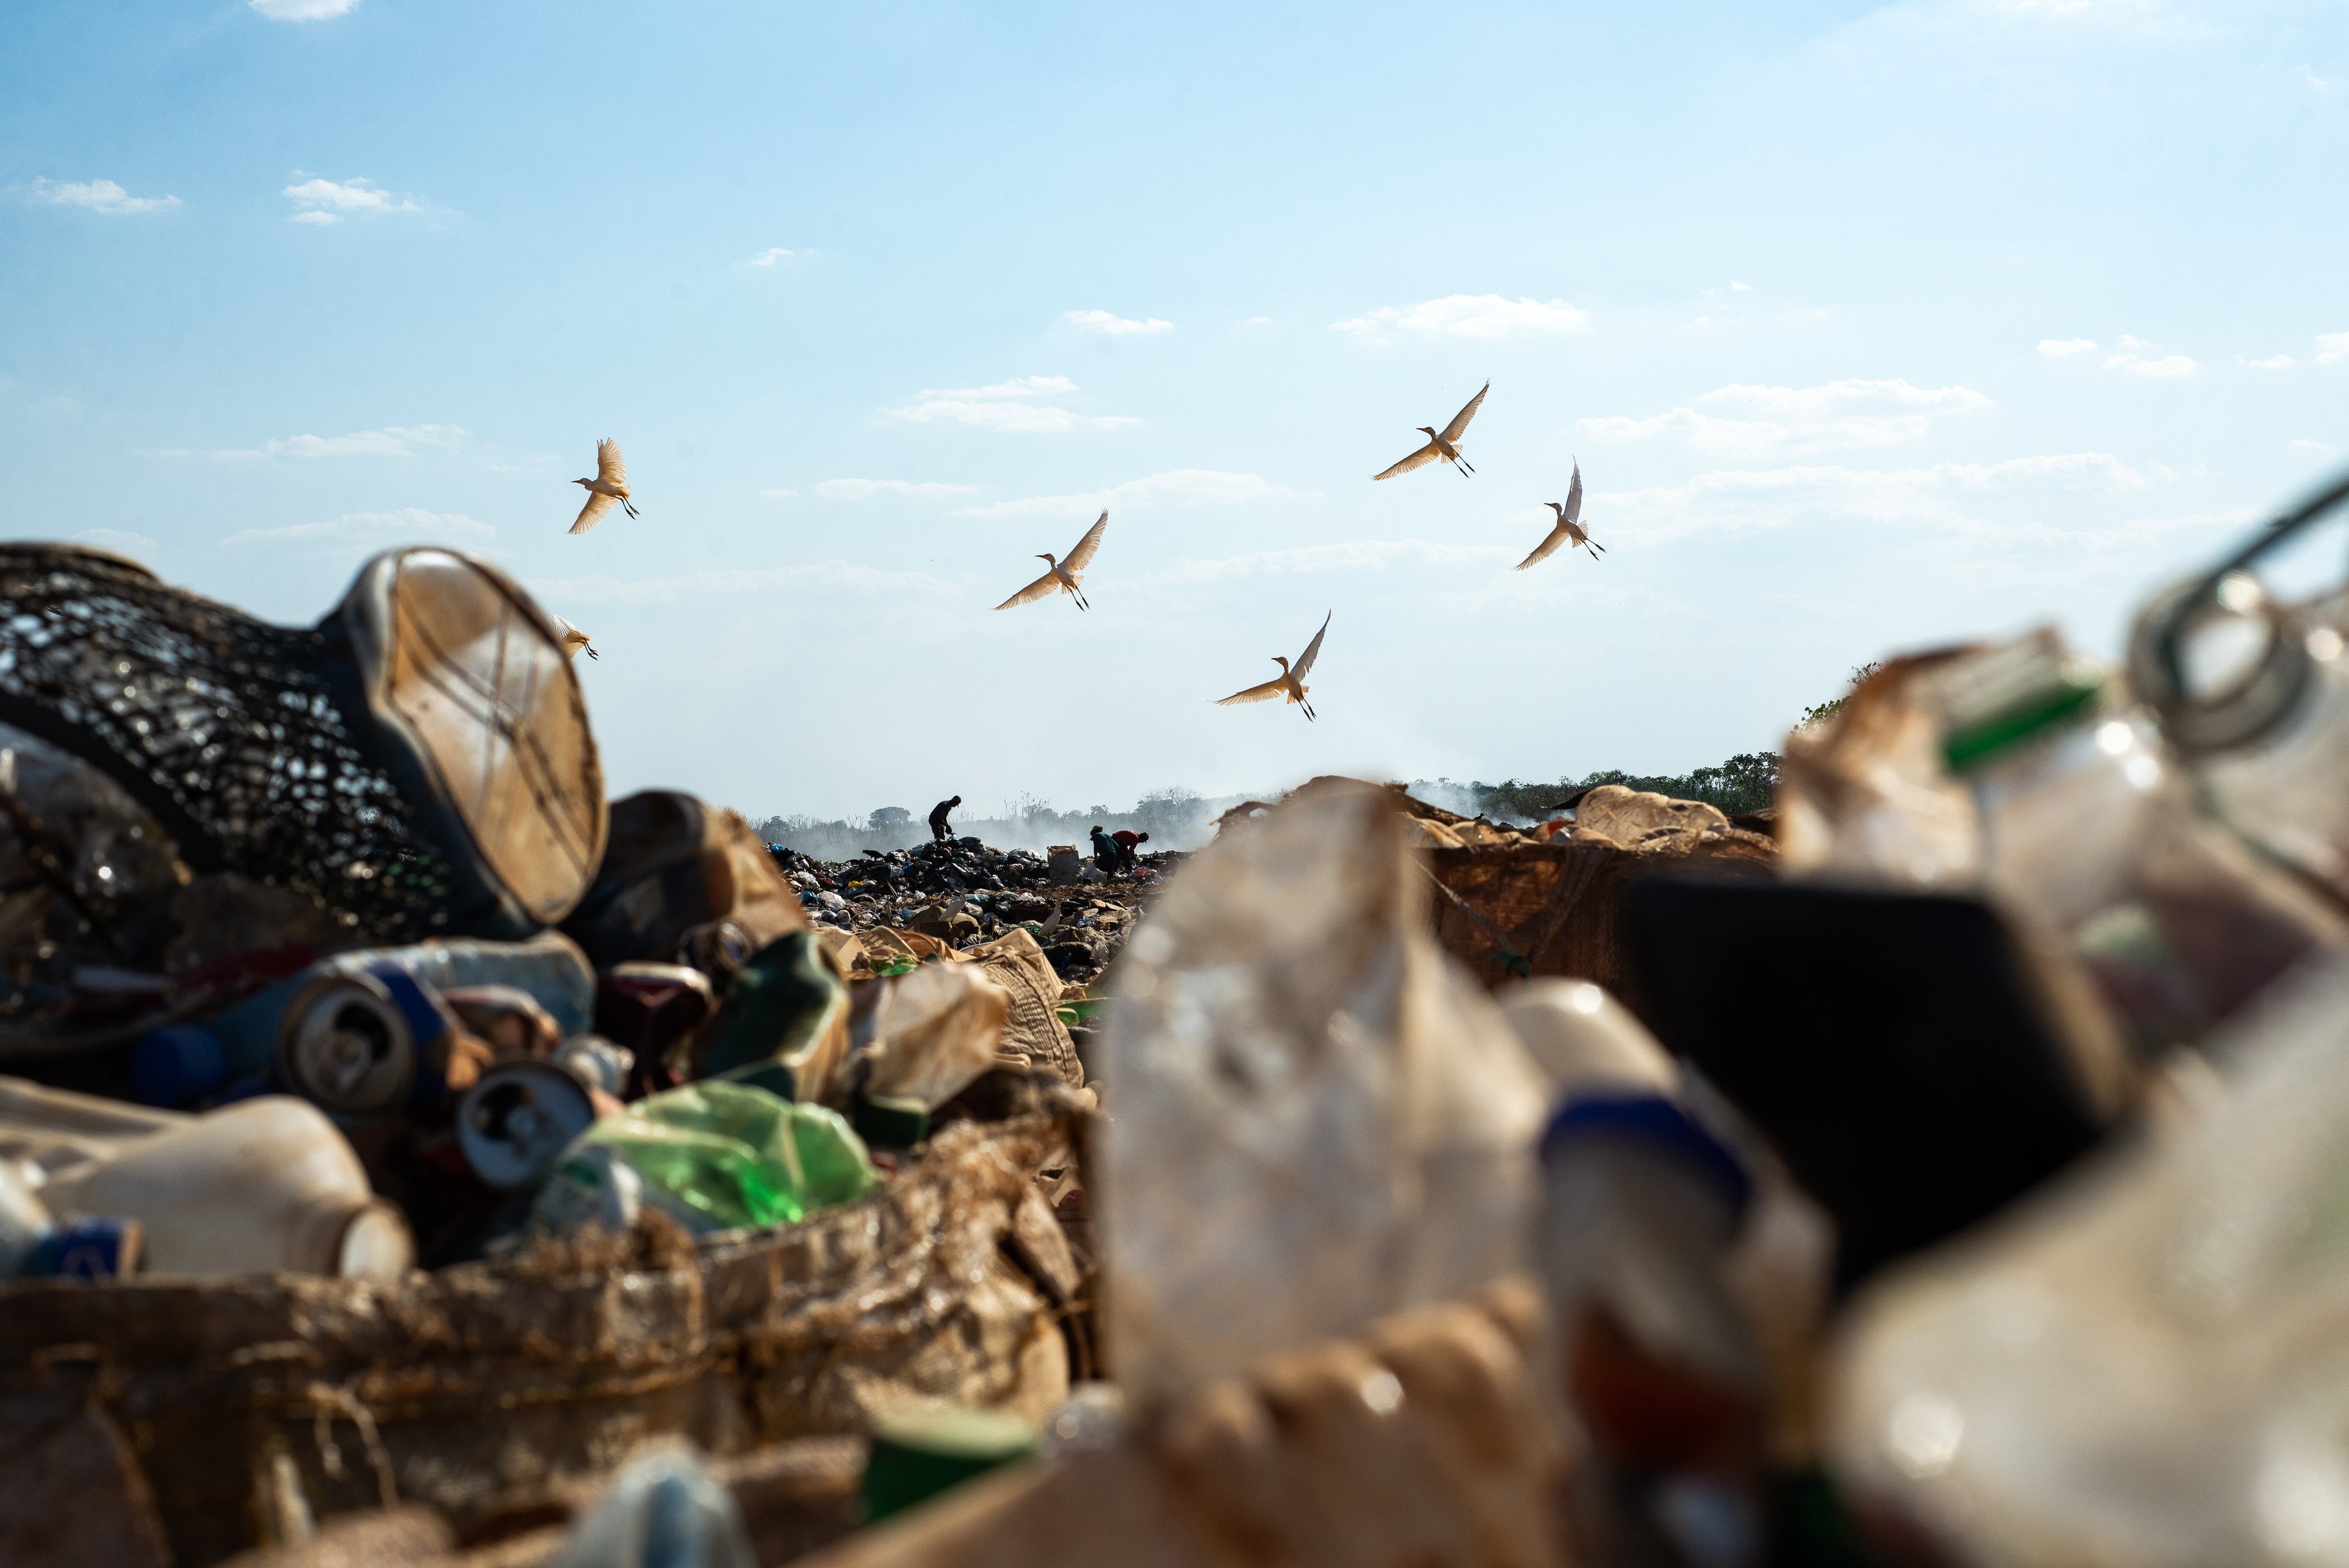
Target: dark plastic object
<point>1893,1049</point>
<point>776,1016</point>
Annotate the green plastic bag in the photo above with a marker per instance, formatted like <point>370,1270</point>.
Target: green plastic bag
<point>713,1155</point>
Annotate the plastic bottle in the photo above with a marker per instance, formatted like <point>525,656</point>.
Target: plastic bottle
<point>714,1156</point>
<point>2258,707</point>
<point>783,1025</point>
<point>24,1219</point>
<point>263,1186</point>
<point>1642,1206</point>
<point>664,1511</point>
<point>2083,825</point>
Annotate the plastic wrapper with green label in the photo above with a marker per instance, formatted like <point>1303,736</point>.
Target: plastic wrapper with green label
<point>713,1157</point>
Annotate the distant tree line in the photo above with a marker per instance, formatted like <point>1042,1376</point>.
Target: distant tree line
<point>1743,782</point>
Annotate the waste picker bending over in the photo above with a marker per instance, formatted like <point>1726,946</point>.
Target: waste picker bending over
<point>940,829</point>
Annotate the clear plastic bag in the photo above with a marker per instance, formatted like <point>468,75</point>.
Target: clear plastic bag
<point>1317,1118</point>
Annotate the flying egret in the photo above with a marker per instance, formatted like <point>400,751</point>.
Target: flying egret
<point>1444,444</point>
<point>1290,682</point>
<point>574,640</point>
<point>610,484</point>
<point>1064,575</point>
<point>1569,524</point>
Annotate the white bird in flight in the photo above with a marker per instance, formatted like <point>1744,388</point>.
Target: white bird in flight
<point>610,484</point>
<point>1569,525</point>
<point>1290,682</point>
<point>574,640</point>
<point>1444,444</point>
<point>1063,575</point>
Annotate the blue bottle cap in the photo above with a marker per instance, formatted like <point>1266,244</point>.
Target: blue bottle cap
<point>1659,1123</point>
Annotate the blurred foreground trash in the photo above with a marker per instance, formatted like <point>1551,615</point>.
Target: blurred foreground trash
<point>1512,903</point>
<point>2144,1367</point>
<point>1319,1118</point>
<point>664,1511</point>
<point>2021,772</point>
<point>332,761</point>
<point>263,1186</point>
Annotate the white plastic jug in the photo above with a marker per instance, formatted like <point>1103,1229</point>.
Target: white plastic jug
<point>263,1186</point>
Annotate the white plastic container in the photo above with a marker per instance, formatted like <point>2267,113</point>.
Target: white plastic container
<point>264,1185</point>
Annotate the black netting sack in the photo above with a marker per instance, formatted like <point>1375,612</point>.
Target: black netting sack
<point>419,761</point>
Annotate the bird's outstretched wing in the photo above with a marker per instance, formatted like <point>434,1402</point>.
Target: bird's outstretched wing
<point>1264,694</point>
<point>1313,648</point>
<point>1547,548</point>
<point>593,512</point>
<point>1419,458</point>
<point>1087,547</point>
<point>1574,494</point>
<point>1460,421</point>
<point>610,466</point>
<point>1041,589</point>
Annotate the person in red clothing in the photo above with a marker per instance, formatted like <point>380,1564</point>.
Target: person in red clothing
<point>1127,841</point>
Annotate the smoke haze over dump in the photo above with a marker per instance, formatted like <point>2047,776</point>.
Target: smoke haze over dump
<point>881,307</point>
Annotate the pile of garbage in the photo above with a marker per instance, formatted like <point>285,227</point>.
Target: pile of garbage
<point>964,894</point>
<point>1942,1169</point>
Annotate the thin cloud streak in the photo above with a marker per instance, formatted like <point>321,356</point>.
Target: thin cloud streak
<point>1180,487</point>
<point>413,522</point>
<point>865,489</point>
<point>1005,406</point>
<point>99,196</point>
<point>1483,317</point>
<point>396,440</point>
<point>836,577</point>
<point>1111,325</point>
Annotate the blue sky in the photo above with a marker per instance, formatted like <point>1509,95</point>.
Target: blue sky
<point>1872,326</point>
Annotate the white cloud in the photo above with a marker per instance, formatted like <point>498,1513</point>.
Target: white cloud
<point>833,576</point>
<point>1110,325</point>
<point>2304,444</point>
<point>2066,347</point>
<point>99,196</point>
<point>1181,487</point>
<point>137,546</point>
<point>1932,496</point>
<point>1798,419</point>
<point>2169,367</point>
<point>409,521</point>
<point>1003,407</point>
<point>323,200</point>
<point>2135,343</point>
<point>396,440</point>
<point>1740,287</point>
<point>2332,348</point>
<point>867,489</point>
<point>2312,79</point>
<point>2273,362</point>
<point>303,10</point>
<point>773,256</point>
<point>1488,317</point>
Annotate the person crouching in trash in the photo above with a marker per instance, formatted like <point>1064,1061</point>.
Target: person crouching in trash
<point>1105,850</point>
